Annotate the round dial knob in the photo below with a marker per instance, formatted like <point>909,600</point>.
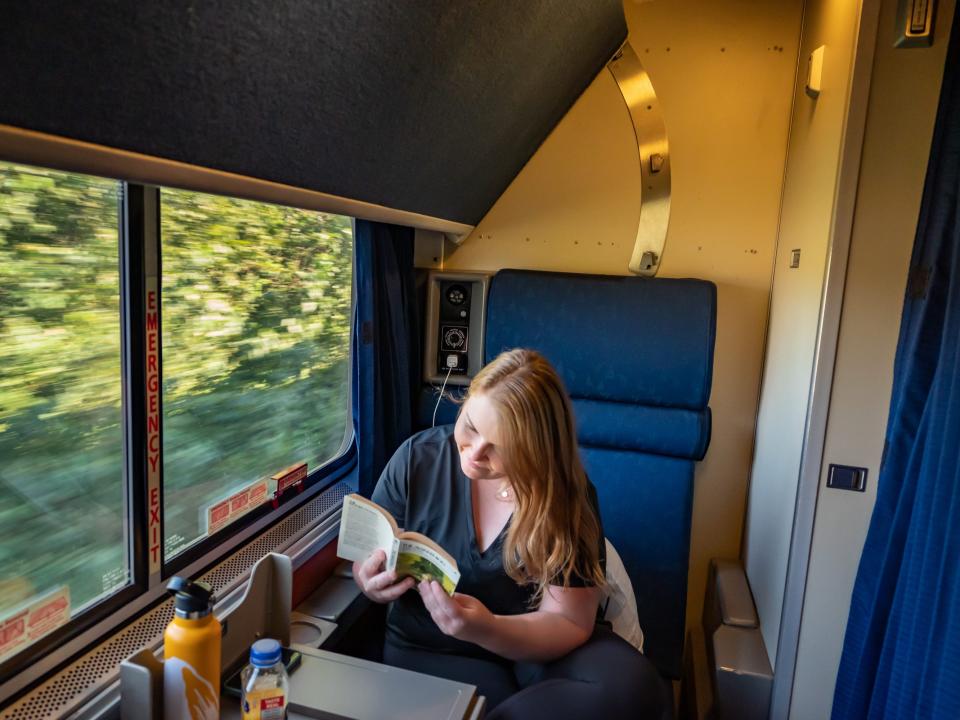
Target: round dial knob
<point>454,338</point>
<point>456,295</point>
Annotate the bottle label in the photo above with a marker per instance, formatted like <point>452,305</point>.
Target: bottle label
<point>264,705</point>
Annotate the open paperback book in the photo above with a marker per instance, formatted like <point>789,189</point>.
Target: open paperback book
<point>366,527</point>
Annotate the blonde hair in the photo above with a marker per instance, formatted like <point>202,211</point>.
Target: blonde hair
<point>554,533</point>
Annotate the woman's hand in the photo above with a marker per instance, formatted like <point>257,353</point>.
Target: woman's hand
<point>461,616</point>
<point>376,583</point>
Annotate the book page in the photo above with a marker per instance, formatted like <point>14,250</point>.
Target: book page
<point>421,561</point>
<point>364,527</point>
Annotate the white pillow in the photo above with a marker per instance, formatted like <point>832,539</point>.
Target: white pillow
<point>619,604</point>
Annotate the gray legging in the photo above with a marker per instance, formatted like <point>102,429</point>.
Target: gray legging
<point>605,677</point>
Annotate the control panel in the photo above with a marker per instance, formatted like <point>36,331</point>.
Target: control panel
<point>453,340</point>
<point>455,313</point>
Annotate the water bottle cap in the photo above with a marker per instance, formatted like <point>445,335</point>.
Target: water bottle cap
<point>192,600</point>
<point>264,653</point>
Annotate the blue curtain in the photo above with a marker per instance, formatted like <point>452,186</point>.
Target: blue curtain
<point>901,653</point>
<point>386,357</point>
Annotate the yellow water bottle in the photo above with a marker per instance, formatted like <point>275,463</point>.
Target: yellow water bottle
<point>191,654</point>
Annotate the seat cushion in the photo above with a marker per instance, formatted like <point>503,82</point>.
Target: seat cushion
<point>646,504</point>
<point>677,432</point>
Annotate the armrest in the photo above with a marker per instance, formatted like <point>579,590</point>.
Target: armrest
<point>331,600</point>
<point>337,616</point>
<point>734,596</point>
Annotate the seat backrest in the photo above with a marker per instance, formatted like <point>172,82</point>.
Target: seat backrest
<point>636,355</point>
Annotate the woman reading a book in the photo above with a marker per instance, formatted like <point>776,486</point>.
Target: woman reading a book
<point>504,492</point>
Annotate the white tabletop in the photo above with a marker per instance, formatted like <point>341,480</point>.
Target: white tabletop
<point>339,687</point>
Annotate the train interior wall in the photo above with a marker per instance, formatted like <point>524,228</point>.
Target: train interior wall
<point>810,187</point>
<point>723,73</point>
<point>756,169</point>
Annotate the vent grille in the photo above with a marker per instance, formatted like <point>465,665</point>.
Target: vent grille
<point>66,690</point>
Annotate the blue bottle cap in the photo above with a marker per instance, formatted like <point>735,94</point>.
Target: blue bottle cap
<point>264,653</point>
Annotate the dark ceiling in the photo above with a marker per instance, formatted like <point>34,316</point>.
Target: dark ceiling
<point>430,106</point>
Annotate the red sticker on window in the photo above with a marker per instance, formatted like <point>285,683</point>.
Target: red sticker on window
<point>287,478</point>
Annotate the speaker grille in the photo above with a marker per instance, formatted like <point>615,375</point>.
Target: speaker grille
<point>68,689</point>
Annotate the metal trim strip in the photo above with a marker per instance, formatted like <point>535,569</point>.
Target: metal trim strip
<point>653,149</point>
<point>36,148</point>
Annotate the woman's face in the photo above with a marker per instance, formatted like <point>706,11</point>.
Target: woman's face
<point>478,440</point>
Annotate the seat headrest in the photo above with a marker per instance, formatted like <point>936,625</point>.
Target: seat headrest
<point>619,339</point>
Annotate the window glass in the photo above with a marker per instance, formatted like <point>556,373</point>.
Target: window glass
<point>255,314</point>
<point>61,457</point>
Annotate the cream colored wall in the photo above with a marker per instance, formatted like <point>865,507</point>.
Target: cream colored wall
<point>903,101</point>
<point>723,72</point>
<point>808,200</point>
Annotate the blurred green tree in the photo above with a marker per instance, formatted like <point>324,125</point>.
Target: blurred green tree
<point>256,303</point>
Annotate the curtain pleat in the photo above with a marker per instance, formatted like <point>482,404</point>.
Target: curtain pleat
<point>386,356</point>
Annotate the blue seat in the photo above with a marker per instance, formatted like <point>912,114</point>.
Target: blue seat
<point>636,356</point>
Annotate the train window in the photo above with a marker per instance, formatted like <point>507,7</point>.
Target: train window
<point>253,361</point>
<point>255,314</point>
<point>62,488</point>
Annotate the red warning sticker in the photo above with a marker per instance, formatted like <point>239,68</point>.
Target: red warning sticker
<point>31,622</point>
<point>224,512</point>
<point>292,476</point>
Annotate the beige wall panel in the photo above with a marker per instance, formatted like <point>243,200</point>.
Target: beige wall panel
<point>724,73</point>
<point>903,101</point>
<point>574,205</point>
<point>806,217</point>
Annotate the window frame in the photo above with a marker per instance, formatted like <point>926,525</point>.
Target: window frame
<point>139,218</point>
<point>129,212</point>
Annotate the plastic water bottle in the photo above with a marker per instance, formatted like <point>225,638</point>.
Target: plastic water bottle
<point>265,683</point>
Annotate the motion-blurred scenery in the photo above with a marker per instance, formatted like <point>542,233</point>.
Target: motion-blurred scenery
<point>256,302</point>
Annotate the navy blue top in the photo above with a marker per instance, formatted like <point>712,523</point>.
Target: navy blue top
<point>424,488</point>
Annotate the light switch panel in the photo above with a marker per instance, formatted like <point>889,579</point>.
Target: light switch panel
<point>847,477</point>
